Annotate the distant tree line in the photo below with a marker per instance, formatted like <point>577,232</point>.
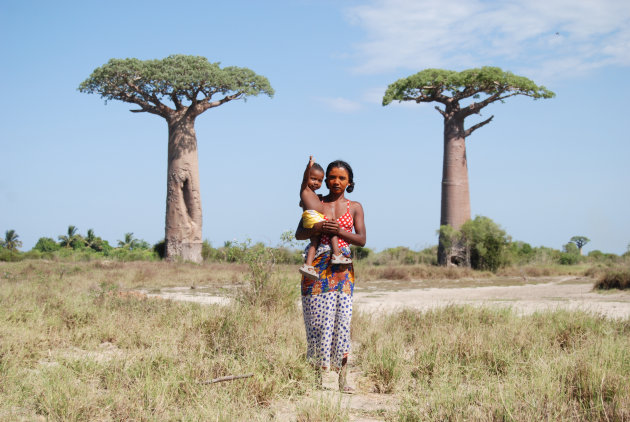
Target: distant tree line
<point>486,246</point>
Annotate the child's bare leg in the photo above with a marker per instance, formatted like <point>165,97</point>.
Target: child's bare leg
<point>310,254</point>
<point>337,256</point>
<point>334,244</point>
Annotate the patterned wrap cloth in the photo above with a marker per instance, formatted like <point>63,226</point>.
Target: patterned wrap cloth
<point>327,309</point>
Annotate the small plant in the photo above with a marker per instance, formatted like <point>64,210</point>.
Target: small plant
<point>325,408</point>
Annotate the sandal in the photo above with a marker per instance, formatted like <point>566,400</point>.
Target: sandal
<point>309,272</point>
<point>346,389</point>
<point>340,259</point>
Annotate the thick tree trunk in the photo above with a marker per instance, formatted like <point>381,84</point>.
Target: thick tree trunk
<point>183,197</point>
<point>455,193</point>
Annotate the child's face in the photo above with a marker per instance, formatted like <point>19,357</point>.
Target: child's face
<point>315,179</point>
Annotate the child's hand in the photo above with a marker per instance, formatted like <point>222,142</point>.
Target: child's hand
<point>310,162</point>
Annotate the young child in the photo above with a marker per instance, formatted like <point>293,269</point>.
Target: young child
<point>314,213</point>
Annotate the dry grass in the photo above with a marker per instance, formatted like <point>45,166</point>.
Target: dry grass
<point>614,278</point>
<point>465,363</point>
<point>369,272</point>
<point>78,344</point>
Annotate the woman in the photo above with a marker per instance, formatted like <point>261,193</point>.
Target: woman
<point>327,301</point>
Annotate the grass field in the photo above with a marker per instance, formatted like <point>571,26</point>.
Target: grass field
<point>76,343</point>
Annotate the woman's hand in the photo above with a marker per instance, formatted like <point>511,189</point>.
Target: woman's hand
<point>330,228</point>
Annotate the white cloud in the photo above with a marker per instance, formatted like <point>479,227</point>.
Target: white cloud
<point>342,105</point>
<point>516,35</point>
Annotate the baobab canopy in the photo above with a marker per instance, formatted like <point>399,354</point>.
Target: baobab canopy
<point>183,80</point>
<point>437,84</point>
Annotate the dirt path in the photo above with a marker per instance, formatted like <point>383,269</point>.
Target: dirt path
<point>569,293</point>
<point>524,296</point>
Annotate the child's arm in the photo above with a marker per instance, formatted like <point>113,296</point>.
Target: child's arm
<point>309,199</point>
<point>307,172</point>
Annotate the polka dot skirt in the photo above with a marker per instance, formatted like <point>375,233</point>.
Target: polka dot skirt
<point>327,319</point>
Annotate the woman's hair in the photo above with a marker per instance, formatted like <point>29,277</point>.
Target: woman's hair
<point>342,164</point>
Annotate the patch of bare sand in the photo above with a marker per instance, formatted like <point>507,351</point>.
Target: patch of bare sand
<point>361,406</point>
<point>188,294</point>
<point>569,293</point>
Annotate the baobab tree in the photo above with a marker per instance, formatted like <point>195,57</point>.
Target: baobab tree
<point>580,241</point>
<point>178,88</point>
<point>450,88</point>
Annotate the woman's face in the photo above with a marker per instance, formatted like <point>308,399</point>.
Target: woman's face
<point>337,180</point>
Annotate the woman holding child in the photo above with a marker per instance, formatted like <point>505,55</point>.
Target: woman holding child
<point>327,292</point>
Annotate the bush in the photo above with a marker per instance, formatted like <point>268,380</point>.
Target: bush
<point>33,254</point>
<point>521,252</point>
<point>10,256</point>
<point>160,248</point>
<point>359,252</point>
<point>133,255</point>
<point>569,258</point>
<point>601,257</point>
<point>486,243</point>
<point>288,256</point>
<point>46,244</point>
<point>618,278</point>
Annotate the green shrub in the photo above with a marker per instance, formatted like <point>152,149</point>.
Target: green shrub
<point>46,244</point>
<point>486,242</point>
<point>126,255</point>
<point>160,248</point>
<point>7,255</point>
<point>569,258</point>
<point>601,257</point>
<point>359,252</point>
<point>33,254</point>
<point>520,253</point>
<point>284,255</point>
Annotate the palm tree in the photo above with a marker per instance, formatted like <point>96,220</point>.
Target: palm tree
<point>69,238</point>
<point>128,243</point>
<point>90,238</point>
<point>11,241</point>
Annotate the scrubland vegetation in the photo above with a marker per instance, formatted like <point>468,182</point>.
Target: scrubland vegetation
<point>79,344</point>
<point>490,250</point>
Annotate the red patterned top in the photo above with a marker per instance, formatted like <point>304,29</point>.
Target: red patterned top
<point>346,222</point>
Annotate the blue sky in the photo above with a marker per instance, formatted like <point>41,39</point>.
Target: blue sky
<point>544,170</point>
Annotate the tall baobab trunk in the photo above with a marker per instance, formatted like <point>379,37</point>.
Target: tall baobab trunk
<point>455,192</point>
<point>183,198</point>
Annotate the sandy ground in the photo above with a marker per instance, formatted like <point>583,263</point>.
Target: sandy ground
<point>524,296</point>
<point>570,293</point>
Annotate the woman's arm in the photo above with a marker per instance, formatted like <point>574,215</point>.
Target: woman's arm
<point>359,237</point>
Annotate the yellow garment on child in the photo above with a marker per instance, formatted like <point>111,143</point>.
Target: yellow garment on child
<point>310,217</point>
